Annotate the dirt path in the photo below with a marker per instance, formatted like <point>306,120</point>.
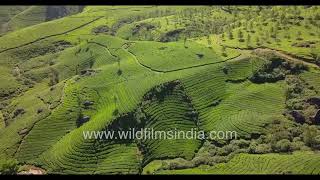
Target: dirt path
<point>284,56</point>
<point>277,53</point>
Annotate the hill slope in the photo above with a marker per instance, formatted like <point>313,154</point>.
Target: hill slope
<point>68,70</point>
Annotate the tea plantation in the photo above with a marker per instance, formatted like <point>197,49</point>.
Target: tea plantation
<point>71,70</point>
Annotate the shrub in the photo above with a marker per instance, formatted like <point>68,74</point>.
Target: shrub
<point>180,163</point>
<point>283,145</point>
<point>224,54</point>
<point>200,160</point>
<point>311,136</point>
<point>101,29</point>
<point>297,144</point>
<point>241,143</point>
<point>263,149</point>
<point>227,149</point>
<point>252,147</point>
<point>119,72</point>
<point>9,167</point>
<point>53,77</point>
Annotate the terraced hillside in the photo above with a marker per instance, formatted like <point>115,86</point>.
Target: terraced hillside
<point>18,17</point>
<point>68,71</point>
<point>298,163</point>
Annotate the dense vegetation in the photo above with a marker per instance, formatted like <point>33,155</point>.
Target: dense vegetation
<point>253,70</point>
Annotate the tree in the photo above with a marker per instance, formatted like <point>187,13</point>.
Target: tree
<point>248,40</point>
<point>240,35</point>
<point>258,41</point>
<point>283,18</point>
<point>299,35</point>
<point>315,53</point>
<point>115,100</point>
<point>272,29</point>
<point>209,40</point>
<point>230,35</point>
<point>223,50</point>
<point>310,135</point>
<point>251,26</point>
<point>119,72</point>
<point>273,32</point>
<point>262,149</point>
<point>53,77</point>
<point>283,145</point>
<point>185,42</point>
<point>91,61</point>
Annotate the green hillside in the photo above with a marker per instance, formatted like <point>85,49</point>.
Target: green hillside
<point>70,70</point>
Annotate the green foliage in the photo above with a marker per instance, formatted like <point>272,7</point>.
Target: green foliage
<point>311,136</point>
<point>296,163</point>
<point>201,81</point>
<point>283,145</point>
<point>276,69</point>
<point>53,77</point>
<point>9,167</point>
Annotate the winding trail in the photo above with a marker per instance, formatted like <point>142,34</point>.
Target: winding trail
<point>242,55</point>
<point>104,46</point>
<point>278,53</point>
<point>189,67</point>
<point>285,56</point>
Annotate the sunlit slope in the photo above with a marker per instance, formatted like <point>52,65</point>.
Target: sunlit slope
<point>8,12</point>
<point>190,82</point>
<point>172,113</point>
<point>121,92</point>
<point>164,57</point>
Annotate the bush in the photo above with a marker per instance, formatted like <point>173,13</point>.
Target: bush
<point>9,167</point>
<point>283,145</point>
<point>311,136</point>
<point>241,143</point>
<point>53,77</point>
<point>227,149</point>
<point>179,163</point>
<point>297,144</point>
<point>224,54</point>
<point>101,29</point>
<point>252,147</point>
<point>263,149</point>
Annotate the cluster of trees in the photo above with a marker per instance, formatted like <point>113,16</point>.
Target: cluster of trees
<point>282,137</point>
<point>285,137</point>
<point>274,19</point>
<point>276,69</point>
<point>201,21</point>
<point>139,17</point>
<point>302,102</point>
